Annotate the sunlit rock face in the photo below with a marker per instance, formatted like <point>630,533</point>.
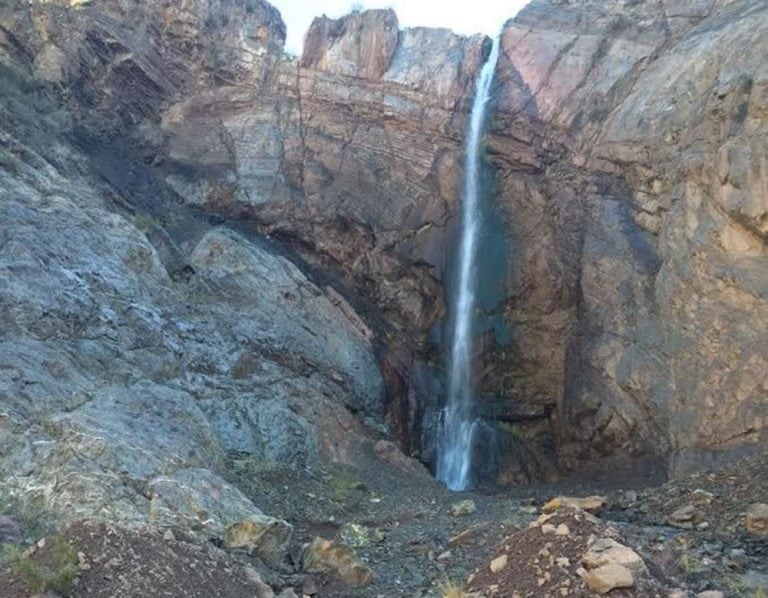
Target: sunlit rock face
<point>648,204</point>
<point>625,315</point>
<point>143,345</point>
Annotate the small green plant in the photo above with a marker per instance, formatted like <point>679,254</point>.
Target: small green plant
<point>145,223</point>
<point>344,485</point>
<point>7,161</point>
<point>58,577</point>
<point>9,554</point>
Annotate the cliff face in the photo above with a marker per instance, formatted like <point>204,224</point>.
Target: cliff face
<point>652,273</point>
<point>629,308</point>
<point>144,347</point>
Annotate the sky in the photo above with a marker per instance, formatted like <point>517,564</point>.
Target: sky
<point>476,16</point>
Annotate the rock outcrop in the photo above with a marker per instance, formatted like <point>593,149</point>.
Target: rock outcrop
<point>625,306</point>
<point>130,372</point>
<point>648,204</point>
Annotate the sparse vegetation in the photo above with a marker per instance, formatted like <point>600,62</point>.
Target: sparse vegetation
<point>9,554</point>
<point>7,161</point>
<point>344,485</point>
<point>145,223</point>
<point>59,576</point>
<point>451,589</point>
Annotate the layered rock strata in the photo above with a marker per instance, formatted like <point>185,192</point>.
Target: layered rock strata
<point>628,307</point>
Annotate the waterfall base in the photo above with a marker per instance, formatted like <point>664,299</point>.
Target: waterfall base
<point>468,448</point>
<point>455,431</point>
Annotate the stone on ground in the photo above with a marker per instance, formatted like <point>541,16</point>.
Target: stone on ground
<point>609,577</point>
<point>498,563</point>
<point>684,517</point>
<point>606,551</point>
<point>757,519</point>
<point>323,556</point>
<point>587,503</point>
<point>464,507</point>
<point>267,538</point>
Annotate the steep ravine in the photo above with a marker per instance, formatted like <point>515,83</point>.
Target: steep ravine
<point>223,275</point>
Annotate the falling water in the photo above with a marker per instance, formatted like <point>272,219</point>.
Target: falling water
<point>457,423</point>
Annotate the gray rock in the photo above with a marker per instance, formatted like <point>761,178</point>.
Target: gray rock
<point>124,388</point>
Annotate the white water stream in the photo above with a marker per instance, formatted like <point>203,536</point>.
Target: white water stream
<point>457,424</point>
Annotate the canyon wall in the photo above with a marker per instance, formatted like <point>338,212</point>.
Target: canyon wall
<point>626,164</point>
<point>643,239</point>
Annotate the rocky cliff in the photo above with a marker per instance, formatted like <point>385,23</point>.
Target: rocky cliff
<point>144,145</point>
<point>641,234</point>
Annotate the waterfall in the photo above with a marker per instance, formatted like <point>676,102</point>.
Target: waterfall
<point>457,424</point>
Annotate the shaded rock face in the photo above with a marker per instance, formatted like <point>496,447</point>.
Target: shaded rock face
<point>626,167</point>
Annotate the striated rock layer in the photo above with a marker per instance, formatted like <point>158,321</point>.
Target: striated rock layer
<point>649,206</point>
<point>625,311</point>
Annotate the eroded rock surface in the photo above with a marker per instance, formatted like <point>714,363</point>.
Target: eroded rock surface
<point>126,382</point>
<point>626,166</point>
<point>638,243</point>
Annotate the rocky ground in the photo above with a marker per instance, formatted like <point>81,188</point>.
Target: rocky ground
<point>393,533</point>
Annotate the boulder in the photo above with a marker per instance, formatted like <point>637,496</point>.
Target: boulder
<point>757,519</point>
<point>337,560</point>
<point>609,577</point>
<point>590,504</point>
<point>606,551</point>
<point>267,538</point>
<point>389,453</point>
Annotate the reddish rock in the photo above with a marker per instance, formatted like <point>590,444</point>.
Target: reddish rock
<point>389,453</point>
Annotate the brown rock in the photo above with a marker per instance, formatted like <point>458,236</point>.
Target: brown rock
<point>588,503</point>
<point>389,453</point>
<point>323,556</point>
<point>357,45</point>
<point>268,539</point>
<point>599,181</point>
<point>757,519</point>
<point>609,577</point>
<point>498,563</point>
